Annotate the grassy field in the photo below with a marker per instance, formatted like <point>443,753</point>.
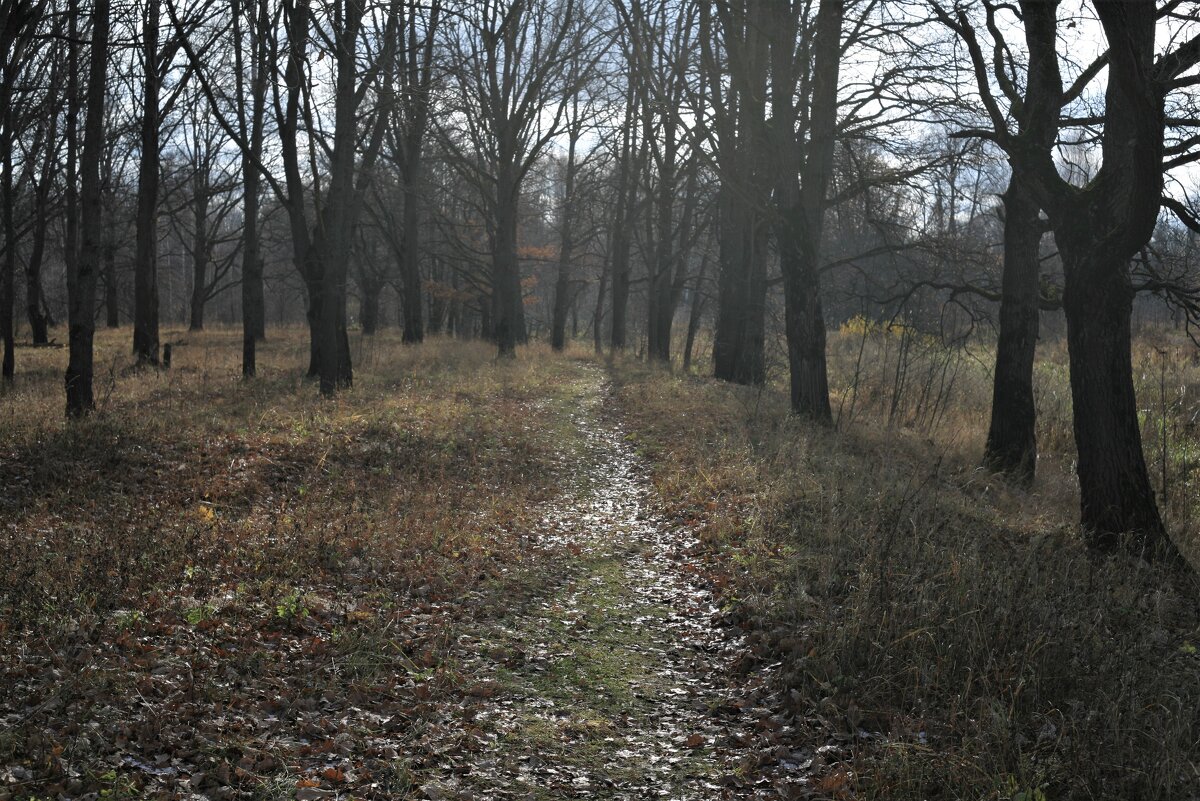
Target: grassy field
<point>205,558</point>
<point>203,555</point>
<point>950,627</point>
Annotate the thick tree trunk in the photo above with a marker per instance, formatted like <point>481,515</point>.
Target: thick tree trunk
<point>71,171</point>
<point>333,344</point>
<point>34,302</point>
<point>410,257</point>
<point>8,268</point>
<point>39,323</point>
<point>254,312</point>
<point>562,299</point>
<point>660,309</point>
<point>739,341</point>
<point>1116,500</point>
<point>508,310</point>
<point>81,286</point>
<point>112,295</point>
<point>437,303</point>
<point>199,255</point>
<point>598,314</point>
<point>562,284</point>
<point>314,287</point>
<point>145,267</point>
<point>622,246</point>
<point>1011,442</point>
<point>368,309</point>
<point>1098,229</point>
<point>622,236</point>
<point>694,315</point>
<point>804,322</point>
<point>800,202</point>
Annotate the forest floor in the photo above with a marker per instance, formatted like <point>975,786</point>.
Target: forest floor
<point>455,582</point>
<point>558,577</point>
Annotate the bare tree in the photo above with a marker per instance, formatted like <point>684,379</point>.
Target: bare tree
<point>740,123</point>
<point>511,90</point>
<point>406,147</point>
<point>18,23</point>
<point>81,283</point>
<point>803,170</point>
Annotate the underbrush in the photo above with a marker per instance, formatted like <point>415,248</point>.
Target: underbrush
<point>949,636</point>
<point>231,587</point>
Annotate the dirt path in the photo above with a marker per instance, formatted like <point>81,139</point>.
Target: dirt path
<point>617,685</point>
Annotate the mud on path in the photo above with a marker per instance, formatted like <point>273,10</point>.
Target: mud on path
<point>618,682</point>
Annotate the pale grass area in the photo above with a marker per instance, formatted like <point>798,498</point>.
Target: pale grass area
<point>912,595</point>
<point>194,458</point>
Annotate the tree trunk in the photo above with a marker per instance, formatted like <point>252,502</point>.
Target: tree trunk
<point>81,286</point>
<point>368,309</point>
<point>1098,229</point>
<point>145,268</point>
<point>71,134</point>
<point>410,255</point>
<point>562,296</point>
<point>1011,442</point>
<point>800,199</point>
<point>739,341</point>
<point>254,312</point>
<point>598,314</point>
<point>804,322</point>
<point>622,236</point>
<point>8,268</point>
<point>660,309</point>
<point>508,311</point>
<point>314,287</point>
<point>112,297</point>
<point>562,283</point>
<point>694,315</point>
<point>437,303</point>
<point>39,323</point>
<point>1117,503</point>
<point>199,254</point>
<point>333,347</point>
<point>35,303</point>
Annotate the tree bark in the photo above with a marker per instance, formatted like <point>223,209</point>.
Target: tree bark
<point>694,315</point>
<point>368,310</point>
<point>112,295</point>
<point>145,267</point>
<point>562,283</point>
<point>82,285</point>
<point>1011,442</point>
<point>800,200</point>
<point>1117,506</point>
<point>200,251</point>
<point>622,236</point>
<point>35,304</point>
<point>254,313</point>
<point>1098,229</point>
<point>410,254</point>
<point>8,268</point>
<point>739,340</point>
<point>508,309</point>
<point>598,314</point>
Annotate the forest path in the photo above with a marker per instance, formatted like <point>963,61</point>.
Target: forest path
<point>616,683</point>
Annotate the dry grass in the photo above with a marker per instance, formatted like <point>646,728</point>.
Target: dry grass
<point>205,550</point>
<point>952,629</point>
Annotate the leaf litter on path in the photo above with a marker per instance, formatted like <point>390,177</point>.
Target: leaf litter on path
<point>620,684</point>
<point>616,680</point>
